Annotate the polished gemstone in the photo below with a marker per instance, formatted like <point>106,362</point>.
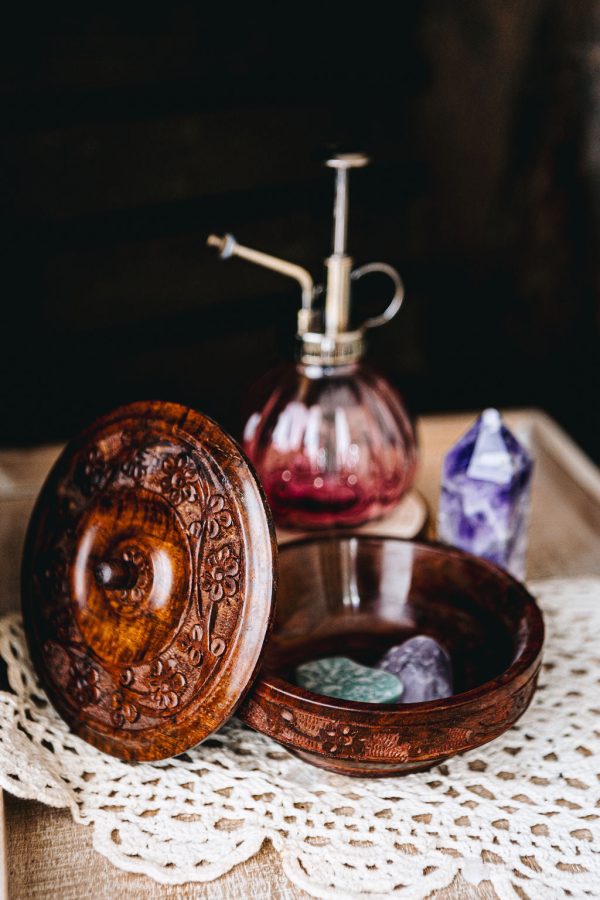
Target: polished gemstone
<point>338,676</point>
<point>423,666</point>
<point>484,503</point>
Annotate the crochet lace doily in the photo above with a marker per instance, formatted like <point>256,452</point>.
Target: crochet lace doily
<point>522,813</point>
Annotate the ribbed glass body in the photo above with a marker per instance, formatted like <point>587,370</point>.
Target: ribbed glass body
<point>333,446</point>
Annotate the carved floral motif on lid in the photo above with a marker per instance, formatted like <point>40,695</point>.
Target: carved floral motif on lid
<point>166,684</point>
<point>222,574</point>
<point>84,682</point>
<point>218,515</point>
<point>94,471</point>
<point>162,471</point>
<point>123,711</point>
<point>191,643</point>
<point>178,482</point>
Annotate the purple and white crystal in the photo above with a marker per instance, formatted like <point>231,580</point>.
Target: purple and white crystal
<point>423,666</point>
<point>484,504</point>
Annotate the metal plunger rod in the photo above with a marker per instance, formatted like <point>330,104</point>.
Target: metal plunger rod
<point>339,264</point>
<point>341,164</point>
<point>340,213</point>
<point>336,314</point>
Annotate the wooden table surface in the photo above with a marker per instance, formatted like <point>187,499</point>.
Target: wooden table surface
<point>48,856</point>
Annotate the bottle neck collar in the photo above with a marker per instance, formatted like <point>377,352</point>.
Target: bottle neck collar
<point>341,349</point>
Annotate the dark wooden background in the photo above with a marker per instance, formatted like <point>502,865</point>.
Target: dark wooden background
<point>128,136</point>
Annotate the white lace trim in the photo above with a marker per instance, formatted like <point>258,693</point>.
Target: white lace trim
<point>523,811</point>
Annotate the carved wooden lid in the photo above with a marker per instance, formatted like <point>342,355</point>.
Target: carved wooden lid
<point>148,581</point>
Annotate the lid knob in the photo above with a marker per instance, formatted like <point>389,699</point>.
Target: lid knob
<point>116,574</point>
<point>148,581</point>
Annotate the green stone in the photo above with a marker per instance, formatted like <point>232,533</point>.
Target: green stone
<point>338,676</point>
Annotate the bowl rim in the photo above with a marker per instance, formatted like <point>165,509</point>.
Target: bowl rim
<point>528,657</point>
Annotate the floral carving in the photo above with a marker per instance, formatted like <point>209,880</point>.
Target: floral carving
<point>288,716</point>
<point>217,646</point>
<point>338,737</point>
<point>84,682</point>
<point>191,643</point>
<point>122,710</point>
<point>221,574</point>
<point>166,683</point>
<point>126,677</point>
<point>136,466</point>
<point>217,515</point>
<point>333,737</point>
<point>280,718</point>
<point>178,483</point>
<point>95,471</point>
<point>217,518</point>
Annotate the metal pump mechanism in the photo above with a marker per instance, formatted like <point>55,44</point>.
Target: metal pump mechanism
<point>324,335</point>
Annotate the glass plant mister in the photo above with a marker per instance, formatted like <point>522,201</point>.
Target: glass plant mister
<point>332,442</point>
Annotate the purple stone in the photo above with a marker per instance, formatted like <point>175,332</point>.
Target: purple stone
<point>423,666</point>
<point>484,504</point>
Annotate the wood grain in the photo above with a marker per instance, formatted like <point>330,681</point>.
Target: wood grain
<point>50,856</point>
<point>488,622</point>
<point>148,581</point>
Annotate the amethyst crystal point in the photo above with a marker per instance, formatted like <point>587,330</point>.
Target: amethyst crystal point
<point>423,666</point>
<point>484,504</point>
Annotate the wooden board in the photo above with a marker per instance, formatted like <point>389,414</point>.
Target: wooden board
<point>47,855</point>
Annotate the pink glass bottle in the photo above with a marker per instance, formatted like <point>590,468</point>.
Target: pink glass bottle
<point>333,446</point>
<point>329,437</point>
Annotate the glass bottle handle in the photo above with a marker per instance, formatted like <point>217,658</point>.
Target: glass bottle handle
<point>396,301</point>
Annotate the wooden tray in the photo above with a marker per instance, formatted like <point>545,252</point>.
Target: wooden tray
<point>47,855</point>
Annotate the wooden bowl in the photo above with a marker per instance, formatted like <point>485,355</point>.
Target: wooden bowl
<point>360,595</point>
